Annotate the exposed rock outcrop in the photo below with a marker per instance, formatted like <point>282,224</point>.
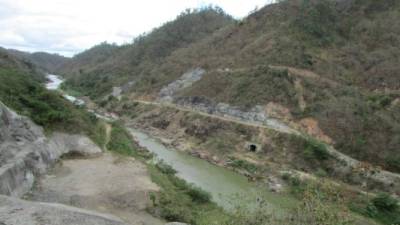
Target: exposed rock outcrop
<point>255,115</point>
<point>19,212</point>
<point>25,151</point>
<point>167,93</point>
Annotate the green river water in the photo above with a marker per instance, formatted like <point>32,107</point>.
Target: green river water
<point>225,186</point>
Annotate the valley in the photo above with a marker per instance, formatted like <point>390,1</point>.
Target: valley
<point>289,115</point>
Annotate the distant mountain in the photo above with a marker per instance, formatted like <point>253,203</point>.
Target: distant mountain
<point>44,61</point>
<point>335,62</point>
<point>9,61</point>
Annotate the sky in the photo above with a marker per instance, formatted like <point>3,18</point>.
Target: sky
<point>68,27</point>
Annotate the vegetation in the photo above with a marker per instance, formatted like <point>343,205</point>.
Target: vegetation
<point>332,55</point>
<point>383,208</point>
<point>180,201</point>
<point>45,62</point>
<point>104,66</point>
<point>121,141</point>
<point>242,164</point>
<point>393,162</point>
<point>314,149</point>
<point>27,96</point>
<point>318,20</point>
<point>314,209</point>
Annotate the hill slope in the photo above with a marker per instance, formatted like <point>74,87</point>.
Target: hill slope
<point>103,66</point>
<point>333,63</point>
<point>46,62</point>
<point>22,89</point>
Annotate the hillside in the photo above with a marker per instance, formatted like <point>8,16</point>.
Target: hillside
<point>104,66</point>
<point>46,62</point>
<point>332,61</point>
<point>22,89</point>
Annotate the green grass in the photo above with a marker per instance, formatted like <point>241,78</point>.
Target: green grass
<point>121,141</point>
<point>245,165</point>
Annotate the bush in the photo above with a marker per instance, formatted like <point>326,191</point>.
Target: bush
<point>385,202</point>
<point>314,149</point>
<point>165,168</point>
<point>199,195</point>
<point>393,162</point>
<point>242,164</point>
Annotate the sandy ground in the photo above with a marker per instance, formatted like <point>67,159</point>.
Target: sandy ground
<point>107,184</point>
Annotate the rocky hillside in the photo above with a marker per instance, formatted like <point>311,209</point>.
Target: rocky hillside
<point>330,66</point>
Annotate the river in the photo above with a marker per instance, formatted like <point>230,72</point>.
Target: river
<point>54,83</point>
<point>225,186</point>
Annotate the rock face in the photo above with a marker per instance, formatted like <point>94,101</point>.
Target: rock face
<point>25,152</point>
<point>255,115</point>
<point>167,93</point>
<point>18,212</point>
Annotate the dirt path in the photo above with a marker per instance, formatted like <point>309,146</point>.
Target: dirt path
<point>108,184</point>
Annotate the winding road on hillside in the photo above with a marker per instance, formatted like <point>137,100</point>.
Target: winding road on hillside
<point>272,125</point>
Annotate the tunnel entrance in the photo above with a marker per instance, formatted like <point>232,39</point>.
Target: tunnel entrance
<point>253,147</point>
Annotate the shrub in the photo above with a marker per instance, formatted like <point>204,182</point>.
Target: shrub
<point>393,162</point>
<point>165,168</point>
<point>321,173</point>
<point>242,164</point>
<point>199,195</point>
<point>385,202</point>
<point>314,149</point>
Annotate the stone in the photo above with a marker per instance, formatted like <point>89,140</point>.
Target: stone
<point>26,152</point>
<point>14,211</point>
<point>186,80</point>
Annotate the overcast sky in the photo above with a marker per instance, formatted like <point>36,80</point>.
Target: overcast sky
<point>70,26</point>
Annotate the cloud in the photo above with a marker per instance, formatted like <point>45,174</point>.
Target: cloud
<point>70,26</point>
